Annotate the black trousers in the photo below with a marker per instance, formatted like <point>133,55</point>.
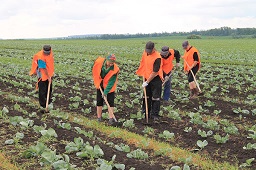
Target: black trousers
<point>194,70</point>
<point>154,91</point>
<point>43,89</point>
<point>110,98</point>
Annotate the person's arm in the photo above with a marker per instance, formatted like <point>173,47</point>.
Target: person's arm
<point>92,65</point>
<point>195,57</point>
<point>110,84</point>
<point>49,68</point>
<point>177,56</point>
<point>156,68</point>
<point>52,66</point>
<point>34,66</point>
<point>141,68</point>
<point>96,75</point>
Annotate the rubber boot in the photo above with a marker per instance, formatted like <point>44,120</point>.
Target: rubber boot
<point>41,111</point>
<point>149,107</point>
<point>195,93</point>
<point>155,109</point>
<point>191,93</point>
<point>100,119</point>
<point>111,121</point>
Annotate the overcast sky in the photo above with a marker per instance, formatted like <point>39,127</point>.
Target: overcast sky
<point>57,18</point>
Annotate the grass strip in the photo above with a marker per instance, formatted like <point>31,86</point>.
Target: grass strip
<point>5,164</point>
<point>177,154</point>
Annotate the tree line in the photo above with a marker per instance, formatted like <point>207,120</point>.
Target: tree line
<point>223,31</point>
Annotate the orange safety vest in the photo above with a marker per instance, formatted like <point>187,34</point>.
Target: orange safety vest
<point>48,59</point>
<point>188,56</point>
<point>147,63</point>
<point>167,63</point>
<point>96,71</point>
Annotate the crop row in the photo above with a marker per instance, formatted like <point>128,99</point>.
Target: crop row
<point>117,133</point>
<point>52,157</point>
<point>164,134</point>
<point>221,127</point>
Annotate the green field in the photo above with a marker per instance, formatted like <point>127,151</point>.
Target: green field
<point>216,131</point>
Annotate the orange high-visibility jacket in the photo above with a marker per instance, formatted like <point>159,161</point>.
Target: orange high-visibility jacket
<point>96,71</point>
<point>167,63</point>
<point>147,63</point>
<point>48,59</point>
<point>188,56</point>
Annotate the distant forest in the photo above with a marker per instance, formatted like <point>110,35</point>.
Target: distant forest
<point>223,31</point>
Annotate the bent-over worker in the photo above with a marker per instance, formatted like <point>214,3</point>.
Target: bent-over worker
<point>43,67</point>
<point>151,70</point>
<point>105,71</point>
<point>191,63</point>
<point>168,55</point>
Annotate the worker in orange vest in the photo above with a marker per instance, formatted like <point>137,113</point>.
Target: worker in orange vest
<point>191,63</point>
<point>151,70</point>
<point>43,67</point>
<point>105,71</point>
<point>168,56</point>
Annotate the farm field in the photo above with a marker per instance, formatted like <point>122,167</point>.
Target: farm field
<point>215,131</point>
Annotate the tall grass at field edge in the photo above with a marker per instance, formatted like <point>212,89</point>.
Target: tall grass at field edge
<point>5,164</point>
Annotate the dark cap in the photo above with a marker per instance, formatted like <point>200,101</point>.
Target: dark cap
<point>47,49</point>
<point>185,44</point>
<point>149,47</point>
<point>165,51</point>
